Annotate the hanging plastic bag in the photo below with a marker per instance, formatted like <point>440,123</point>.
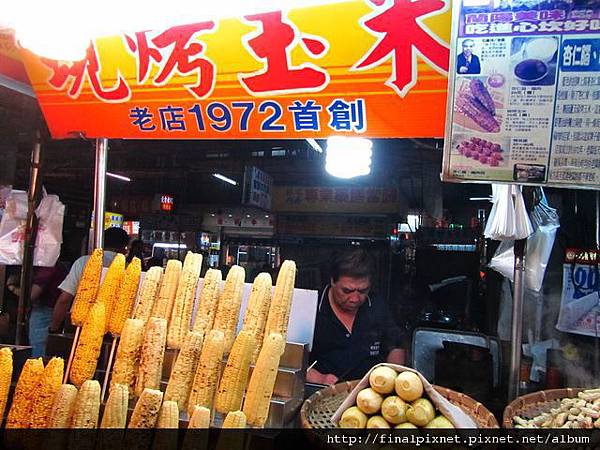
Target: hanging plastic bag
<point>544,220</point>
<point>50,213</point>
<point>501,219</point>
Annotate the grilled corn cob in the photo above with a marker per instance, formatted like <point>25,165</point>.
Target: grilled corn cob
<point>109,289</point>
<point>148,293</point>
<point>200,417</point>
<point>6,370</point>
<point>206,378</point>
<point>235,376</point>
<point>181,313</point>
<point>235,419</point>
<point>262,381</point>
<point>146,409</point>
<point>44,393</point>
<point>22,402</point>
<point>230,302</point>
<point>153,352</point>
<point>183,372</point>
<point>62,408</point>
<point>258,309</point>
<point>89,345</point>
<point>115,410</point>
<point>87,288</point>
<point>121,308</point>
<point>87,406</point>
<point>209,300</point>
<point>279,313</point>
<point>168,289</point>
<point>128,354</point>
<point>168,417</point>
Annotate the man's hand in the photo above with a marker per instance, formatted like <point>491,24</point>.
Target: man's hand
<point>463,69</point>
<point>314,376</point>
<point>397,356</point>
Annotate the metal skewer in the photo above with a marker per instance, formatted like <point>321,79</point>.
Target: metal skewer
<point>108,367</point>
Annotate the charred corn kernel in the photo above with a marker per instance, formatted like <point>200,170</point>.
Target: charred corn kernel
<point>115,410</point>
<point>89,345</point>
<point>128,354</point>
<point>168,290</point>
<point>209,300</point>
<point>22,402</point>
<point>168,417</point>
<point>262,381</point>
<point>146,409</point>
<point>87,290</point>
<point>199,417</point>
<point>206,378</point>
<point>235,376</point>
<point>258,309</point>
<point>230,302</point>
<point>6,370</point>
<point>181,313</point>
<point>121,308</point>
<point>109,289</point>
<point>87,406</point>
<point>182,376</point>
<point>153,352</point>
<point>235,419</point>
<point>279,313</point>
<point>62,408</point>
<point>44,393</point>
<point>148,293</point>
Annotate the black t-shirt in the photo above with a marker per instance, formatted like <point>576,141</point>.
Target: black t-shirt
<point>350,355</point>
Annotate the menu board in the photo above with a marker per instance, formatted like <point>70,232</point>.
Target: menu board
<point>524,93</point>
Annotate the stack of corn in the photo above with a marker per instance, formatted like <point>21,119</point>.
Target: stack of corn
<point>228,310</point>
<point>182,375</point>
<point>121,309</point>
<point>153,352</point>
<point>22,402</point>
<point>89,345</point>
<point>209,300</point>
<point>128,354</point>
<point>44,393</point>
<point>258,310</point>
<point>168,290</point>
<point>279,313</point>
<point>6,370</point>
<point>88,288</point>
<point>148,294</point>
<point>110,285</point>
<point>181,314</point>
<point>206,378</point>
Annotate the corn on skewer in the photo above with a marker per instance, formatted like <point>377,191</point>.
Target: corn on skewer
<point>44,393</point>
<point>87,406</point>
<point>182,376</point>
<point>148,293</point>
<point>153,352</point>
<point>235,419</point>
<point>168,290</point>
<point>62,408</point>
<point>88,348</point>
<point>109,289</point>
<point>115,410</point>
<point>20,409</point>
<point>258,309</point>
<point>279,313</point>
<point>168,416</point>
<point>121,308</point>
<point>228,311</point>
<point>6,370</point>
<point>146,409</point>
<point>206,378</point>
<point>200,417</point>
<point>262,381</point>
<point>87,290</point>
<point>128,354</point>
<point>235,376</point>
<point>209,301</point>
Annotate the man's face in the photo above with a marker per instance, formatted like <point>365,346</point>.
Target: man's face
<point>350,293</point>
<point>467,48</point>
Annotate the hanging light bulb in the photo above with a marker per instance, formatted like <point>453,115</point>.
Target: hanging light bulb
<point>348,157</point>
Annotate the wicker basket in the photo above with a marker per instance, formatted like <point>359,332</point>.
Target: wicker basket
<point>531,405</point>
<point>319,407</point>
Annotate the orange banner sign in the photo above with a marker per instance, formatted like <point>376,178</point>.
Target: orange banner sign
<point>371,67</point>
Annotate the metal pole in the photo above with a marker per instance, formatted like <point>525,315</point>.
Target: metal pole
<point>516,336</point>
<point>29,244</point>
<point>99,191</point>
<point>597,343</point>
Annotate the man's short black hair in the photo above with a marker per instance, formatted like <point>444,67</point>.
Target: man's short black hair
<point>354,263</point>
<point>115,238</point>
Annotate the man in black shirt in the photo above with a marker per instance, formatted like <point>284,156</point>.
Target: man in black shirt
<point>353,330</point>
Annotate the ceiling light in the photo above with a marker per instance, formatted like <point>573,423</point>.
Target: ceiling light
<point>315,145</point>
<point>480,199</point>
<point>267,216</point>
<point>212,215</point>
<point>247,216</point>
<point>348,157</point>
<point>225,179</point>
<point>167,245</point>
<point>117,176</point>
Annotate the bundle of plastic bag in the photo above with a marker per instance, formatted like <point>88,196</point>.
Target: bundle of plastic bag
<point>508,219</point>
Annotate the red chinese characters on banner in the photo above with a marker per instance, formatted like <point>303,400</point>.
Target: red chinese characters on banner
<point>180,59</point>
<point>402,36</point>
<point>272,45</point>
<point>78,71</point>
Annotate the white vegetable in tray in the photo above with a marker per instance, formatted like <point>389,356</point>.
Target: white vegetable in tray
<point>393,409</point>
<point>353,418</point>
<point>377,422</point>
<point>408,386</point>
<point>420,412</point>
<point>369,401</point>
<point>382,379</point>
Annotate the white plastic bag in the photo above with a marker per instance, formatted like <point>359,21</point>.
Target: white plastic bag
<point>508,219</point>
<point>50,213</point>
<point>539,246</point>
